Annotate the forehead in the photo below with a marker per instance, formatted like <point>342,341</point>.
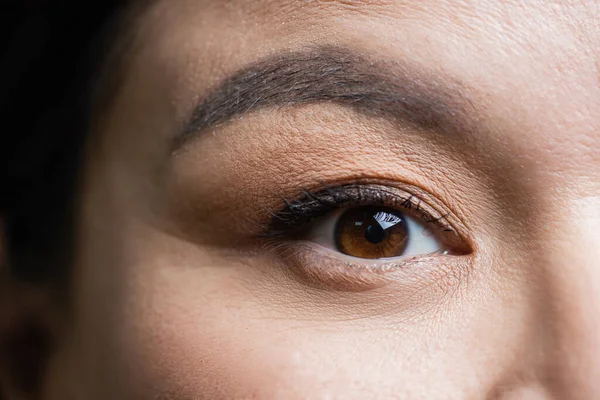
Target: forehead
<point>545,28</point>
<point>530,69</point>
<point>497,46</point>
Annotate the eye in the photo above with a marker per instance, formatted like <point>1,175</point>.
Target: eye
<point>375,232</point>
<point>369,222</point>
<point>358,236</point>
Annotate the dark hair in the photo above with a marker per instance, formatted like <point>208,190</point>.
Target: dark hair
<point>50,53</point>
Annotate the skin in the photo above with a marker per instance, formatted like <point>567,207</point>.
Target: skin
<point>175,296</point>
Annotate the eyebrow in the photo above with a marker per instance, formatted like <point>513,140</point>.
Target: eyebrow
<point>393,90</point>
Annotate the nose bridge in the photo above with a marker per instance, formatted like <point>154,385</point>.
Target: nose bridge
<point>572,275</point>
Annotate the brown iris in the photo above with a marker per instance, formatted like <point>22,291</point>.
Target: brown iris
<point>371,232</point>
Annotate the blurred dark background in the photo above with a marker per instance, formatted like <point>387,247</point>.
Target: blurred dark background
<point>49,53</point>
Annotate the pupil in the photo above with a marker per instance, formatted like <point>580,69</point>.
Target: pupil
<point>375,234</point>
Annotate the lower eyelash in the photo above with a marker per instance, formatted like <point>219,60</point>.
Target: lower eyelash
<point>289,249</point>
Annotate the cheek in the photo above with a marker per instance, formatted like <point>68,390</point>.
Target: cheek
<point>169,319</point>
<point>195,334</point>
<point>206,339</point>
<point>195,331</point>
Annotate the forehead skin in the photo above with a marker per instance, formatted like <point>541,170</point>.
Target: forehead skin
<point>159,315</point>
<point>495,50</point>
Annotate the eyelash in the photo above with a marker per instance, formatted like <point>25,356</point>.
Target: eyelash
<point>298,213</point>
<point>284,238</point>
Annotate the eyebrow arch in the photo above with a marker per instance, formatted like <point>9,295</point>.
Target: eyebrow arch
<point>396,91</point>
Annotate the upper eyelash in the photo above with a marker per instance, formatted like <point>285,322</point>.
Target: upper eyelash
<point>315,204</point>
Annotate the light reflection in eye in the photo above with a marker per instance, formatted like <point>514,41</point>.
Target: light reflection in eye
<point>375,232</point>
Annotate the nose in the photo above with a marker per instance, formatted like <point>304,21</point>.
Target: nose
<point>572,306</point>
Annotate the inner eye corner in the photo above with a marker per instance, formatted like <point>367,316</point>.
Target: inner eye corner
<point>462,246</point>
<point>447,222</point>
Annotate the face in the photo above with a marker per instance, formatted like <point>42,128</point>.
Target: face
<point>333,199</point>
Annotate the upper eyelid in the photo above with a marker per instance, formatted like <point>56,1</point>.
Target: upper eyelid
<point>291,215</point>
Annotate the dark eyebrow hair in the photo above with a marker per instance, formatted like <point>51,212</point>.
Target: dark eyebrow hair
<point>395,91</point>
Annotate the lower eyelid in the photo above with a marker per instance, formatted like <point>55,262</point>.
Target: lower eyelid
<point>373,266</point>
<point>318,267</point>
